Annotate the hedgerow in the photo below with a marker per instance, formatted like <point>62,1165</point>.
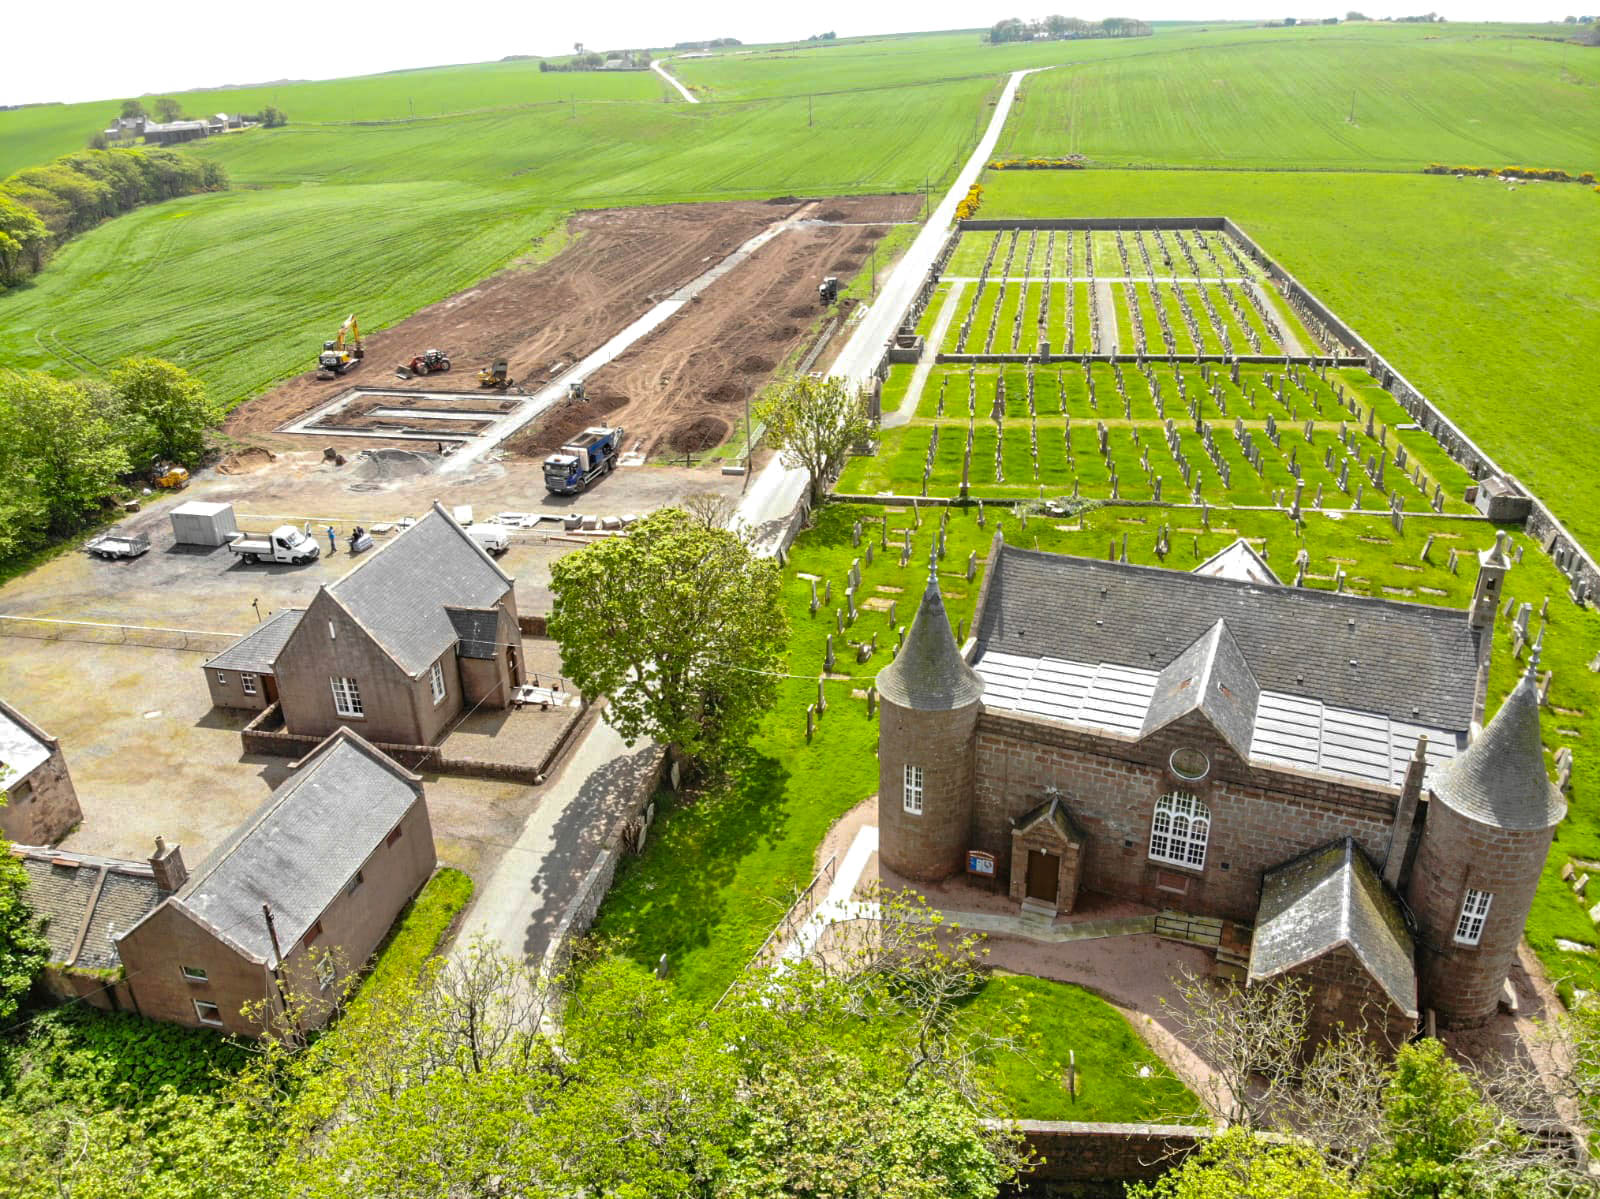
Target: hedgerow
<point>1543,174</point>
<point>969,205</point>
<point>1036,164</point>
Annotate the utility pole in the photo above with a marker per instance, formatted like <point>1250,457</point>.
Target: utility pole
<point>277,962</point>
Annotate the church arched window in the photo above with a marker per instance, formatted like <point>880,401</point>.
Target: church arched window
<point>1180,830</point>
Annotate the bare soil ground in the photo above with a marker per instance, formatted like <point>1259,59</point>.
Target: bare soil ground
<point>683,388</point>
<point>542,319</point>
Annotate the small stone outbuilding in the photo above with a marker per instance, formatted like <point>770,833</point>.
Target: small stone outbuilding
<point>41,805</point>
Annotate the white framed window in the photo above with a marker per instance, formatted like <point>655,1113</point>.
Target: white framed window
<point>1180,829</point>
<point>436,681</point>
<point>195,974</point>
<point>346,696</point>
<point>325,971</point>
<point>207,1013</point>
<point>248,682</point>
<point>222,677</point>
<point>911,793</point>
<point>1474,915</point>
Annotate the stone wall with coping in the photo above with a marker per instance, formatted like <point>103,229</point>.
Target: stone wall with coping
<point>1086,1161</point>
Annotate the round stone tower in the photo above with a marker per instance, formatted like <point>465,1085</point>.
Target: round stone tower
<point>928,715</point>
<point>1492,813</point>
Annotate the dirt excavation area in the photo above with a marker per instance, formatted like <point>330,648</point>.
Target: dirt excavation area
<point>681,387</point>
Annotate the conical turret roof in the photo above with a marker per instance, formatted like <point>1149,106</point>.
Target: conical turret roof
<point>929,672</point>
<point>1500,779</point>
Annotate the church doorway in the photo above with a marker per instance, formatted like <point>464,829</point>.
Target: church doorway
<point>1043,876</point>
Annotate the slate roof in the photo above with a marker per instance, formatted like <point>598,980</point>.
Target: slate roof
<point>1500,779</point>
<point>301,846</point>
<point>1240,562</point>
<point>24,747</point>
<point>1053,809</point>
<point>257,651</point>
<point>1328,898</point>
<point>478,629</point>
<point>1410,662</point>
<point>929,672</point>
<point>65,889</point>
<point>399,595</point>
<point>1211,677</point>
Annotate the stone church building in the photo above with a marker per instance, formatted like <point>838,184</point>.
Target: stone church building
<point>1309,765</point>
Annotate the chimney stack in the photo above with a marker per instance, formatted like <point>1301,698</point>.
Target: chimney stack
<point>167,865</point>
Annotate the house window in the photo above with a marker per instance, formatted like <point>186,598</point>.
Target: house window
<point>394,835</point>
<point>248,682</point>
<point>911,793</point>
<point>312,933</point>
<point>208,1013</point>
<point>195,974</point>
<point>350,888</point>
<point>325,970</point>
<point>222,678</point>
<point>1180,830</point>
<point>346,696</point>
<point>1474,914</point>
<point>436,681</point>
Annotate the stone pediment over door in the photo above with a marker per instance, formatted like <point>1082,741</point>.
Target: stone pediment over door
<point>1046,849</point>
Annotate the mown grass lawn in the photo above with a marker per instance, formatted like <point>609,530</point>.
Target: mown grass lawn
<point>1119,1079</point>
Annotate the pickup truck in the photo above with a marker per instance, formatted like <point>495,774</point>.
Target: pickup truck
<point>119,545</point>
<point>284,544</point>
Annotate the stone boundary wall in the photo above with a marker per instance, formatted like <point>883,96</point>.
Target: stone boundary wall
<point>1542,524</point>
<point>581,911</point>
<point>1083,1159</point>
<point>259,739</point>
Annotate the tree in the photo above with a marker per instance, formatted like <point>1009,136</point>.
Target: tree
<point>274,118</point>
<point>1241,1164</point>
<point>59,446</point>
<point>133,110</point>
<point>679,624</point>
<point>168,110</point>
<point>23,241</point>
<point>1250,1035</point>
<point>169,408</point>
<point>23,948</point>
<point>813,423</point>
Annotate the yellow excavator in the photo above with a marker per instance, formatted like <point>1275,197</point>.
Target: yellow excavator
<point>343,352</point>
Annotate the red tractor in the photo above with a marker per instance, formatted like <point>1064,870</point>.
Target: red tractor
<point>431,362</point>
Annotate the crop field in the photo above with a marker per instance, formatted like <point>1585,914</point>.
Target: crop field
<point>241,287</point>
<point>1103,292</point>
<point>1350,96</point>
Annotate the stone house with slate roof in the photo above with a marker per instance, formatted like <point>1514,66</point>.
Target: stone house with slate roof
<point>41,804</point>
<point>301,893</point>
<point>333,854</point>
<point>1306,763</point>
<point>411,637</point>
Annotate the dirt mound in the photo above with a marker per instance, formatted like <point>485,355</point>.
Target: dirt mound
<point>702,433</point>
<point>243,462</point>
<point>756,365</point>
<point>727,393</point>
<point>801,310</point>
<point>394,464</point>
<point>784,200</point>
<point>786,331</point>
<point>832,214</point>
<point>556,427</point>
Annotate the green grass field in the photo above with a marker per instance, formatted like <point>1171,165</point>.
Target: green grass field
<point>1285,97</point>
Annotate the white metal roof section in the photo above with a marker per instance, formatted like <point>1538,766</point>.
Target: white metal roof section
<point>21,753</point>
<point>1101,696</point>
<point>1290,730</point>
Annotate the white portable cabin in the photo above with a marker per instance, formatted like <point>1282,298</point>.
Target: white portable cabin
<point>200,523</point>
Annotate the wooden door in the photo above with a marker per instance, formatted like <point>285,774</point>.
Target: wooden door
<point>1044,870</point>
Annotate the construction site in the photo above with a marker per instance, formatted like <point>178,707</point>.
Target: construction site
<point>670,318</point>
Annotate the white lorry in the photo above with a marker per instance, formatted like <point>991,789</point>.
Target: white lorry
<point>284,544</point>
